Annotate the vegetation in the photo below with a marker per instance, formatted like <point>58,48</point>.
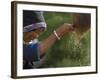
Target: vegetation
<point>65,53</point>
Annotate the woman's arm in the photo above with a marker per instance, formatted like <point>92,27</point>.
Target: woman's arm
<point>60,32</point>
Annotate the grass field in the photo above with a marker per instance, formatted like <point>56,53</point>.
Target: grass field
<point>65,53</point>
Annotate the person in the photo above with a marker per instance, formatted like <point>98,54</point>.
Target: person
<point>34,25</point>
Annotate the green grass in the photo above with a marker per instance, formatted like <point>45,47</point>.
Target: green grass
<point>65,53</point>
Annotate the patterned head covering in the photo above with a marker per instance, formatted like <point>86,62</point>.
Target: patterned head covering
<point>33,20</point>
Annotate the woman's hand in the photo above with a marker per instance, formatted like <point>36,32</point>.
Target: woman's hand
<point>64,29</point>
